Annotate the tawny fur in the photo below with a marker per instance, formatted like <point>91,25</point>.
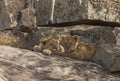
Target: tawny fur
<point>65,45</point>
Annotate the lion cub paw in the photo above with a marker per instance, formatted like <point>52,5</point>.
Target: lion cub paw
<point>37,48</point>
<point>47,52</point>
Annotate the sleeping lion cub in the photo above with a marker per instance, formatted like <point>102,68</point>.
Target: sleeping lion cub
<point>65,45</point>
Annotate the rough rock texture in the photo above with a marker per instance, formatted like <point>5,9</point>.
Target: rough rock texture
<point>117,35</point>
<point>108,55</point>
<point>65,10</point>
<point>23,65</point>
<point>4,18</point>
<point>43,8</point>
<point>9,11</point>
<point>9,15</point>
<point>27,18</point>
<point>97,35</point>
<point>73,10</point>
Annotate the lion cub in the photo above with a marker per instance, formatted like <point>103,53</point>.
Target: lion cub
<point>65,45</point>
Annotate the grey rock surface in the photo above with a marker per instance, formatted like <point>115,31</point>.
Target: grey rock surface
<point>73,10</point>
<point>23,65</point>
<point>108,55</point>
<point>96,35</point>
<point>27,18</point>
<point>9,12</point>
<point>4,18</point>
<point>117,35</point>
<point>65,11</point>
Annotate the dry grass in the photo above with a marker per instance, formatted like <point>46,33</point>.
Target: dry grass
<point>9,39</point>
<point>18,39</point>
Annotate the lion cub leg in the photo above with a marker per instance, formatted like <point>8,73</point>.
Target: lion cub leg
<point>38,48</point>
<point>51,52</point>
<point>61,49</point>
<point>89,52</point>
<point>47,52</point>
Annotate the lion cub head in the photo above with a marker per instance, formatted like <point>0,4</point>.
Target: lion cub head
<point>50,45</point>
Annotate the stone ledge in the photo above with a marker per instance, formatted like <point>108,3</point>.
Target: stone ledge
<point>74,10</point>
<point>108,55</point>
<point>24,65</point>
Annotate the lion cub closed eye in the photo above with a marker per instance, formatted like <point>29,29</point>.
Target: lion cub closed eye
<point>65,45</point>
<point>49,45</point>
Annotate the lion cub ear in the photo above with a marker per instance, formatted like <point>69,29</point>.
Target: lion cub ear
<point>57,36</point>
<point>76,37</point>
<point>43,41</point>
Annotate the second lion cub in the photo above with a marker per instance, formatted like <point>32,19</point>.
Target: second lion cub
<point>65,45</point>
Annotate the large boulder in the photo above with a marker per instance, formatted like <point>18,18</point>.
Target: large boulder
<point>117,35</point>
<point>9,12</point>
<point>27,19</point>
<point>4,18</point>
<point>73,10</point>
<point>23,65</point>
<point>65,10</point>
<point>95,35</point>
<point>108,55</point>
